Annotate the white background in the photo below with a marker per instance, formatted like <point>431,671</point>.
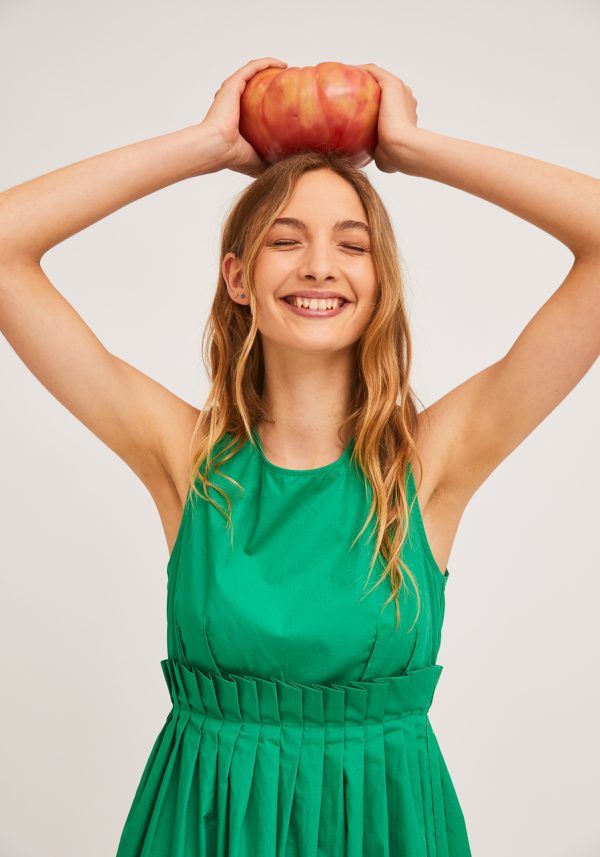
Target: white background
<point>83,555</point>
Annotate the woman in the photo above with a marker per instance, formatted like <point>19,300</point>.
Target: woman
<point>301,677</point>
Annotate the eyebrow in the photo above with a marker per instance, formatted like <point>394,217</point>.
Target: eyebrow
<point>340,225</point>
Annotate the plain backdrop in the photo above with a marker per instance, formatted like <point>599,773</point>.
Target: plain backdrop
<point>83,554</point>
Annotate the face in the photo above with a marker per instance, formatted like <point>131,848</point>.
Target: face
<point>324,257</point>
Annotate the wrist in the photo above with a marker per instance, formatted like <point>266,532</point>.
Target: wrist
<point>409,153</point>
<point>203,150</point>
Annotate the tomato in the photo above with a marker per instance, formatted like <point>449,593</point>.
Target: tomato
<point>327,107</point>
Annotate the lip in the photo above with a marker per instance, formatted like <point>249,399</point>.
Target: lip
<point>310,313</point>
<point>316,295</point>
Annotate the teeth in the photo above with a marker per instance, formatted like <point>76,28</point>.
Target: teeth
<point>315,303</point>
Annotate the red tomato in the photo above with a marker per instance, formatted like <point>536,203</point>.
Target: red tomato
<point>330,106</point>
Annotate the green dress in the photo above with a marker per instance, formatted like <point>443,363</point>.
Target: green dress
<point>299,723</point>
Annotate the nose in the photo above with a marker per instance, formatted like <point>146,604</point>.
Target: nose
<point>317,263</point>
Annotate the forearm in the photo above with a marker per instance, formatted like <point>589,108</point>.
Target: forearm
<point>562,202</point>
<point>42,212</point>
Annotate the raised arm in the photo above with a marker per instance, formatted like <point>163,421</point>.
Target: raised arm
<point>38,214</point>
<point>477,424</point>
<point>133,414</point>
<point>144,423</point>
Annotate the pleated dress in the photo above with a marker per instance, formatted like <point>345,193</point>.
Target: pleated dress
<point>299,723</point>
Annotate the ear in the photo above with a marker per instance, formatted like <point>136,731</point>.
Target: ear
<point>232,274</point>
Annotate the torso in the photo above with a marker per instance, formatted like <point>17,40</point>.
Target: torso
<point>441,513</point>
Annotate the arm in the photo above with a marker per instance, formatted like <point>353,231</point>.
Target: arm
<point>135,416</point>
<point>480,422</point>
<point>39,214</point>
<point>562,202</point>
<point>144,423</point>
<point>476,425</point>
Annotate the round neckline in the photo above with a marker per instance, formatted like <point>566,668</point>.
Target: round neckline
<point>290,471</point>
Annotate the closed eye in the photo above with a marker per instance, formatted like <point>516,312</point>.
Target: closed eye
<point>288,243</point>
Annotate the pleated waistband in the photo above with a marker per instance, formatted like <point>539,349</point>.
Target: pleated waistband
<point>275,701</point>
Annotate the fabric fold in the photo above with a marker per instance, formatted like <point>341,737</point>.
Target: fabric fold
<point>341,761</point>
<point>249,765</point>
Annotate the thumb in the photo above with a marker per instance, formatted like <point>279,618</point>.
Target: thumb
<point>226,100</point>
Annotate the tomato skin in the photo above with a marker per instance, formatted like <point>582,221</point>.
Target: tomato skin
<point>327,107</point>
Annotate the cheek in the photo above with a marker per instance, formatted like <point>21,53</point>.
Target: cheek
<point>268,278</point>
<point>363,315</point>
<point>368,296</point>
<point>365,307</point>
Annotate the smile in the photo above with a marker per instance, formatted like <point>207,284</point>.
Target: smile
<point>315,313</point>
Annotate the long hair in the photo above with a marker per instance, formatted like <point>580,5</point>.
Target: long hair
<point>382,413</point>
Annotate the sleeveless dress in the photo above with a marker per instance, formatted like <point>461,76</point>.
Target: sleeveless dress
<point>299,723</point>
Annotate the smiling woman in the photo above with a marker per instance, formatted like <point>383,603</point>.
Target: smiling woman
<point>301,661</point>
<point>309,509</point>
<point>319,237</point>
<point>317,688</point>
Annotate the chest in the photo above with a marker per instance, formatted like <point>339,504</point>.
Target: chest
<point>284,592</point>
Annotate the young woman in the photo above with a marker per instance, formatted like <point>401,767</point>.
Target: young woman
<point>301,675</point>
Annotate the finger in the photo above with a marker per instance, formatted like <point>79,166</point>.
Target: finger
<point>381,74</point>
<point>373,70</point>
<point>251,68</point>
<point>265,59</point>
<point>370,66</point>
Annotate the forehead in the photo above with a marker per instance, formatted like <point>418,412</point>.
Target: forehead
<point>321,198</point>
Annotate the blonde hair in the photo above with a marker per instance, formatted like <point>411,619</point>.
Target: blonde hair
<point>383,428</point>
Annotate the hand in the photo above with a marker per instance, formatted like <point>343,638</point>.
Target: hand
<point>397,119</point>
<point>223,119</point>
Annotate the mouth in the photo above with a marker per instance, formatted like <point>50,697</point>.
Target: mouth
<point>307,312</point>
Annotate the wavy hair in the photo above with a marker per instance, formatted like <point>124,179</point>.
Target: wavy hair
<point>383,414</point>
